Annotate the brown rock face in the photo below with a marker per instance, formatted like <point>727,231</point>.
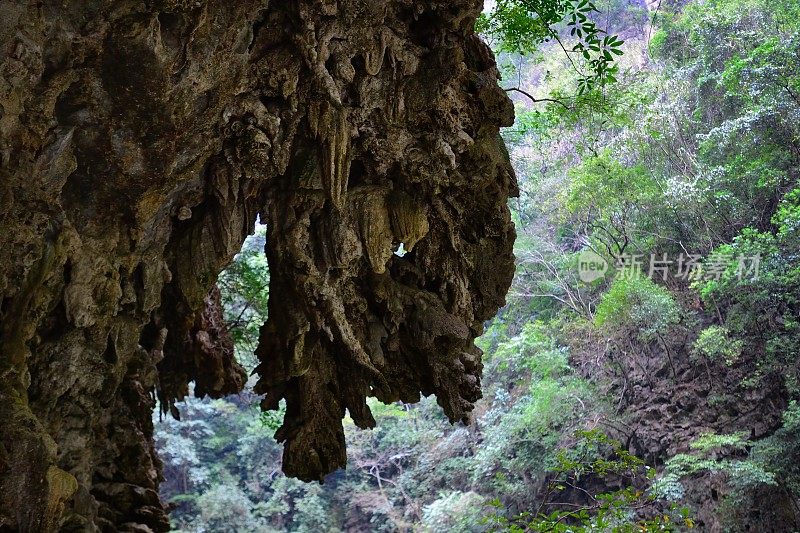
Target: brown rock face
<point>139,141</point>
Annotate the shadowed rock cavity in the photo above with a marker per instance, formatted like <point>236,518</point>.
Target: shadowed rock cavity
<point>138,144</point>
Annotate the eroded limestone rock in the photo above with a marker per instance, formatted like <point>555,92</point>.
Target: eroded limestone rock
<point>138,144</point>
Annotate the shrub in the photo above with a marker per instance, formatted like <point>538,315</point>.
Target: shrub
<point>716,344</point>
<point>455,511</point>
<point>639,304</point>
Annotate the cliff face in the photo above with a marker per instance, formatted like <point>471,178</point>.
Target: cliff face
<point>138,144</point>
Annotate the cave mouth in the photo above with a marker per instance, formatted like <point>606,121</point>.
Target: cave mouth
<point>194,439</point>
<point>221,463</point>
<point>244,296</point>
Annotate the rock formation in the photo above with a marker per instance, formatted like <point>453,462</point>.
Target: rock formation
<point>139,141</point>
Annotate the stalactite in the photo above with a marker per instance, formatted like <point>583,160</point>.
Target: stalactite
<point>396,97</point>
<point>369,205</point>
<point>331,127</point>
<point>409,221</point>
<point>373,58</point>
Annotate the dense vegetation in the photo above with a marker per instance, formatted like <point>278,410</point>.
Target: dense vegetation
<point>655,392</point>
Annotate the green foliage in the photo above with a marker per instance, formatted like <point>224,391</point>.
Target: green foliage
<point>640,304</point>
<point>605,184</point>
<point>770,292</point>
<point>532,354</point>
<point>627,509</point>
<point>722,455</point>
<point>227,508</point>
<point>698,153</point>
<point>526,430</point>
<point>779,452</point>
<point>617,202</point>
<point>715,343</point>
<point>273,420</point>
<point>747,468</point>
<point>456,511</point>
<point>244,286</point>
<point>521,26</point>
<point>298,507</point>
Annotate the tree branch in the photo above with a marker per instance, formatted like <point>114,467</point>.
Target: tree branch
<point>539,100</point>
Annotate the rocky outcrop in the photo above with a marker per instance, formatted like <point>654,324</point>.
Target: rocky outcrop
<point>666,397</point>
<point>139,142</point>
